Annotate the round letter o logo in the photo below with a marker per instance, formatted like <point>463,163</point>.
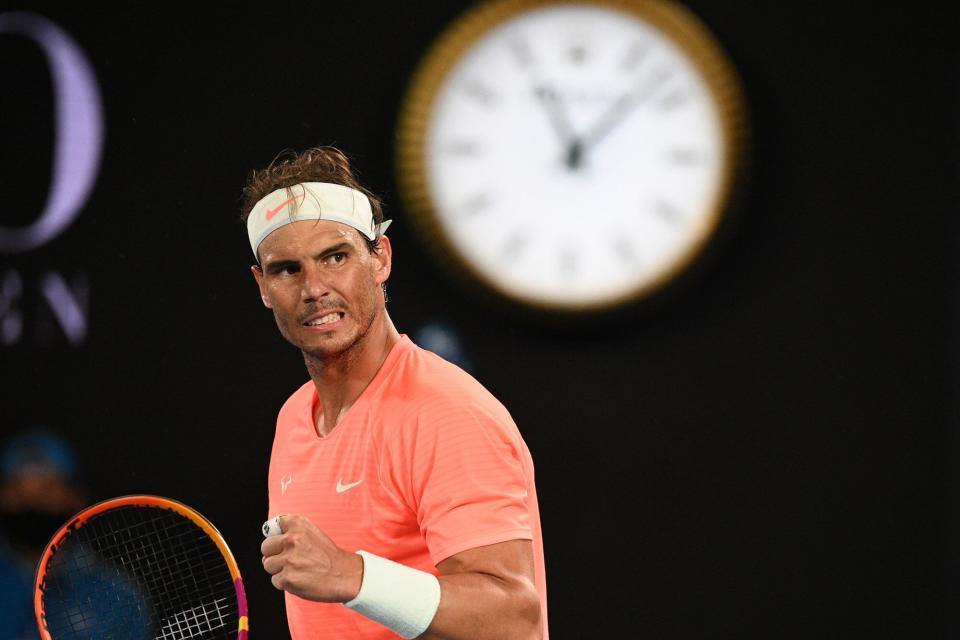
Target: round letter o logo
<point>79,131</point>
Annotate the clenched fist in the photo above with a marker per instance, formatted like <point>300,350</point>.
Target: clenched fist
<point>305,562</point>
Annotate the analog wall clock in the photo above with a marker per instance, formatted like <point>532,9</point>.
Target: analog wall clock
<point>571,156</point>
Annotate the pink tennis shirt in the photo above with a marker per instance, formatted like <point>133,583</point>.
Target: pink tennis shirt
<point>424,465</point>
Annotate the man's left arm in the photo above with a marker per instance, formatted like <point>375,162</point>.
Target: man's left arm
<point>488,592</point>
<point>485,592</point>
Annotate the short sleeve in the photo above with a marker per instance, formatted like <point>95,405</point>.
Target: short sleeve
<point>460,469</point>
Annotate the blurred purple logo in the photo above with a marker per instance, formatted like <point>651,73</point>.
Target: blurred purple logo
<point>78,137</point>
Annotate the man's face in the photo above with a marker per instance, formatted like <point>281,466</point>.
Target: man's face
<point>323,284</point>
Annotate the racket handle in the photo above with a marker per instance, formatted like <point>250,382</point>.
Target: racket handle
<point>272,527</point>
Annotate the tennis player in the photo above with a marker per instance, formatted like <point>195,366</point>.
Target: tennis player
<point>401,493</point>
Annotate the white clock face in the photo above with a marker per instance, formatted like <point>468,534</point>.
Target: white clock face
<point>574,156</point>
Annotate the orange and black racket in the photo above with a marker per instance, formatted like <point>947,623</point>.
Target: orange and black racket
<point>139,568</point>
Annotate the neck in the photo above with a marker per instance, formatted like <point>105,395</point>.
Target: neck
<point>342,377</point>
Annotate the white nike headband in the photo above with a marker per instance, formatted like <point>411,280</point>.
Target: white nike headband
<point>312,201</point>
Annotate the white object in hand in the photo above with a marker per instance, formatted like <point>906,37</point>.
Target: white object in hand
<point>272,527</point>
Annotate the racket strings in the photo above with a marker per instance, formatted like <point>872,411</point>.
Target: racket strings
<point>179,567</point>
<point>140,573</point>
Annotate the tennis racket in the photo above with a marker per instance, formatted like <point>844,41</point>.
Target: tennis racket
<point>139,567</point>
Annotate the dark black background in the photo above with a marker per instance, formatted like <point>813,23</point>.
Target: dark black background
<point>767,451</point>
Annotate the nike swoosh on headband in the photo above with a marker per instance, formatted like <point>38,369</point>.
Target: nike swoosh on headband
<point>272,212</point>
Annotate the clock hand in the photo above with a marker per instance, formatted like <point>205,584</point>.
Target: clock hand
<point>573,144</point>
<point>548,98</point>
<point>620,109</point>
<point>574,156</point>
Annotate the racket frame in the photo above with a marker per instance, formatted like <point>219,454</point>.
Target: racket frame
<point>137,500</point>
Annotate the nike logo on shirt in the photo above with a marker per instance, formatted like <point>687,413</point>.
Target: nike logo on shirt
<point>346,487</point>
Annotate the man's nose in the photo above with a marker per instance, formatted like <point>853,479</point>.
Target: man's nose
<point>315,284</point>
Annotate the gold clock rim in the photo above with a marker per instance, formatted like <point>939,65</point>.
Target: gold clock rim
<point>672,19</point>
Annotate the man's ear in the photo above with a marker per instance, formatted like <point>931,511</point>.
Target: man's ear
<point>384,259</point>
<point>258,276</point>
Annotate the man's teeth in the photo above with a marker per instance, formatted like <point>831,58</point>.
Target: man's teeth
<point>330,317</point>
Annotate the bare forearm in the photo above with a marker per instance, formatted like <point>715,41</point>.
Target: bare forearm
<point>482,593</point>
<point>481,606</point>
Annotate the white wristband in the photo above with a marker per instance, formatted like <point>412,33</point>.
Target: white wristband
<point>399,597</point>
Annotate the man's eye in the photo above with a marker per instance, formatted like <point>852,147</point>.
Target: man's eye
<point>336,258</point>
<point>285,270</point>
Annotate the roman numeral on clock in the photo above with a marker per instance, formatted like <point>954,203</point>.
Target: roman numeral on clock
<point>475,204</point>
<point>461,148</point>
<point>635,56</point>
<point>673,99</point>
<point>625,251</point>
<point>480,92</point>
<point>514,246</point>
<point>568,263</point>
<point>685,156</point>
<point>667,212</point>
<point>522,54</point>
